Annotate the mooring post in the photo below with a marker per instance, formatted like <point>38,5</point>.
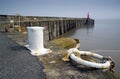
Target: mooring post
<point>36,42</point>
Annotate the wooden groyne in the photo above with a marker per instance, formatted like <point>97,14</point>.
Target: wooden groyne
<point>54,26</point>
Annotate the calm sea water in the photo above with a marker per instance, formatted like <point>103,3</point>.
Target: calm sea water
<point>102,38</point>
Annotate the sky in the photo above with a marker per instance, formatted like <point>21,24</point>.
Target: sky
<point>97,9</point>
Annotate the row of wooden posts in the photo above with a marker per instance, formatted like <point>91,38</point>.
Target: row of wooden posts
<point>55,28</point>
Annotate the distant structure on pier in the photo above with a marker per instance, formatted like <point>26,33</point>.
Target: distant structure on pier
<point>88,17</point>
<point>88,20</point>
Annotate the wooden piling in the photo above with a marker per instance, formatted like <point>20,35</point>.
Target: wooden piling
<point>54,26</point>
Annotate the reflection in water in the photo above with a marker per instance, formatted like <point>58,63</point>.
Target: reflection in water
<point>73,31</point>
<point>87,27</point>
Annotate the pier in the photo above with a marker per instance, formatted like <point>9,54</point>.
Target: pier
<point>54,26</point>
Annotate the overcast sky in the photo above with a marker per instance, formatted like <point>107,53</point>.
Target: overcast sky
<point>65,8</point>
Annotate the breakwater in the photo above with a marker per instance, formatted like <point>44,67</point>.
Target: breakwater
<point>54,26</point>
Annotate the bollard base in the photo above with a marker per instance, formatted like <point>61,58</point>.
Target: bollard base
<point>38,52</point>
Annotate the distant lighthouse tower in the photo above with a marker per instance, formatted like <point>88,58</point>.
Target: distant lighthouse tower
<point>88,17</point>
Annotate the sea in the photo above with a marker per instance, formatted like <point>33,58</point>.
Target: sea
<point>103,38</point>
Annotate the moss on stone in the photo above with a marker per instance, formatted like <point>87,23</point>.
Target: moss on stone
<point>65,42</point>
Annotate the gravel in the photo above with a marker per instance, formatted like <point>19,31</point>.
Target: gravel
<point>16,62</point>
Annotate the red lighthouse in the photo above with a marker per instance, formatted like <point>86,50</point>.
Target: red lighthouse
<point>88,17</point>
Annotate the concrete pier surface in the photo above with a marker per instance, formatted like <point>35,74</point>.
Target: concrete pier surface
<point>16,62</point>
<point>54,67</point>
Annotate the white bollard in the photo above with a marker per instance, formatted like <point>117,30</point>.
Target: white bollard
<point>35,41</point>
